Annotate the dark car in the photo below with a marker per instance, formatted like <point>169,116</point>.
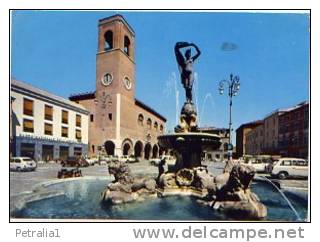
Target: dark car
<point>74,161</point>
<point>69,173</point>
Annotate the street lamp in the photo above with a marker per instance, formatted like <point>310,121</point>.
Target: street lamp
<point>233,89</point>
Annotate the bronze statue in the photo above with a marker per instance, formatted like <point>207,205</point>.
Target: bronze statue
<point>186,66</point>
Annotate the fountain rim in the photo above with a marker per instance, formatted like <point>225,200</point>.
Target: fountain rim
<point>190,134</point>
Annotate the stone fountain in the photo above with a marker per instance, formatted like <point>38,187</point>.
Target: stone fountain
<point>228,192</point>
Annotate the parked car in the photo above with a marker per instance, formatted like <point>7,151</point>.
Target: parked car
<point>74,161</point>
<point>170,160</point>
<point>127,158</point>
<point>102,163</point>
<point>258,164</point>
<point>155,161</point>
<point>290,167</point>
<point>91,161</point>
<point>69,173</point>
<point>22,164</point>
<point>40,162</point>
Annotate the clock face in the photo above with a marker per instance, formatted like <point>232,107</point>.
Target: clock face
<point>107,79</point>
<point>127,83</point>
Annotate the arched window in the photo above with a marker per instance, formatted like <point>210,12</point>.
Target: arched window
<point>161,128</point>
<point>108,43</point>
<point>140,119</point>
<point>155,126</point>
<point>149,123</point>
<point>127,45</point>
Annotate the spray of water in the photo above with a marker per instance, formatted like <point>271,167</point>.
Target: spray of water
<point>208,97</point>
<point>196,90</point>
<point>76,190</point>
<point>171,88</point>
<point>284,196</point>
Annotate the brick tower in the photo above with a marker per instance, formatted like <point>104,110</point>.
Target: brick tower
<point>119,122</point>
<point>115,75</point>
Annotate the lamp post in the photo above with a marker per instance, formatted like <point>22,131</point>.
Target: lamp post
<point>233,88</point>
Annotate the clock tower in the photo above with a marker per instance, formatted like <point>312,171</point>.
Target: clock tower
<point>115,76</point>
<point>115,73</point>
<point>119,123</point>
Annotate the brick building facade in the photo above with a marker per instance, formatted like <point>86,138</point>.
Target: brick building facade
<point>255,140</point>
<point>119,123</point>
<point>241,134</point>
<point>294,131</point>
<point>271,132</point>
<point>284,132</point>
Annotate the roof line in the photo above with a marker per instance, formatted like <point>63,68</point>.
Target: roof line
<point>151,110</point>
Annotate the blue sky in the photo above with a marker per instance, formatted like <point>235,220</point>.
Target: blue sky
<point>56,51</point>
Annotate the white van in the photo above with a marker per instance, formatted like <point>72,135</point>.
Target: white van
<point>258,164</point>
<point>290,167</point>
<point>22,164</point>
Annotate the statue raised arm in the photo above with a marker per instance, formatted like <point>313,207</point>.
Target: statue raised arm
<point>186,66</point>
<point>198,52</point>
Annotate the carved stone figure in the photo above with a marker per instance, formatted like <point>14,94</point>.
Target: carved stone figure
<point>186,66</point>
<point>125,187</point>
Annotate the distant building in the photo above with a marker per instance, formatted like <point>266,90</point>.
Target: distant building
<point>241,134</point>
<point>222,153</point>
<point>294,131</point>
<point>11,137</point>
<point>284,132</point>
<point>119,123</point>
<point>45,126</point>
<point>271,132</point>
<point>255,140</point>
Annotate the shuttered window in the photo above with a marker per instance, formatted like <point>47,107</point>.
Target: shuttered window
<point>48,129</point>
<point>78,120</point>
<point>27,107</point>
<point>28,126</point>
<point>78,135</point>
<point>64,132</point>
<point>64,119</point>
<point>48,112</point>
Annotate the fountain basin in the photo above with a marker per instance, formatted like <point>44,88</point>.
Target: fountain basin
<point>189,146</point>
<point>190,140</point>
<point>81,199</point>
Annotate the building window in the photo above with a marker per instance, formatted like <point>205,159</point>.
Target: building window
<point>78,120</point>
<point>63,152</point>
<point>110,116</point>
<point>48,129</point>
<point>140,119</point>
<point>28,150</point>
<point>77,151</point>
<point>127,45</point>
<point>161,128</point>
<point>155,126</point>
<point>149,123</point>
<point>48,112</point>
<point>28,126</point>
<point>64,119</point>
<point>108,43</point>
<point>27,107</point>
<point>92,148</point>
<point>64,132</point>
<point>78,135</point>
<point>91,117</point>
